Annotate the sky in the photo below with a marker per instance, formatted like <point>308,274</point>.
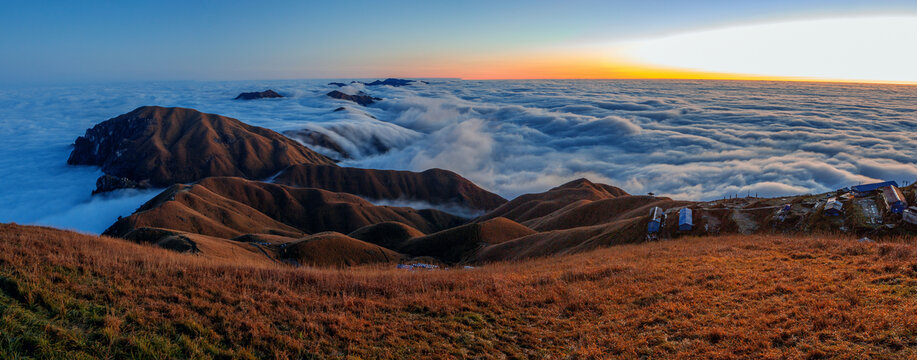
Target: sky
<point>101,41</point>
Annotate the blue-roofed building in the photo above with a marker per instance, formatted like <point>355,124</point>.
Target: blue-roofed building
<point>685,219</point>
<point>655,220</point>
<point>866,189</point>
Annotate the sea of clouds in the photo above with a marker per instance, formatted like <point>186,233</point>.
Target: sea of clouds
<point>696,140</point>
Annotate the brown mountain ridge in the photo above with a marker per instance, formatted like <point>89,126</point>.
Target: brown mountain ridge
<point>162,146</point>
<point>435,186</point>
<point>228,207</point>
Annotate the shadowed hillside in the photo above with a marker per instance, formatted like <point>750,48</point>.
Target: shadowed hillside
<point>67,295</point>
<point>389,234</point>
<point>230,207</point>
<point>331,249</point>
<point>434,186</point>
<point>458,243</point>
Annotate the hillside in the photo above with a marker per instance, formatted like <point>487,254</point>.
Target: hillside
<point>582,215</point>
<point>531,206</point>
<point>229,207</point>
<point>250,211</point>
<point>66,295</point>
<point>574,217</point>
<point>159,146</point>
<point>331,249</point>
<point>205,246</point>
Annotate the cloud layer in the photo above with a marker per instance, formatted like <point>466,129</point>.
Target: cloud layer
<point>695,140</point>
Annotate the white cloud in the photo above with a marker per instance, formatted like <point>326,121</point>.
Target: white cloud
<point>689,140</point>
<point>866,48</point>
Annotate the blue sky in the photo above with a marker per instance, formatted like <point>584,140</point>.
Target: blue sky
<point>66,41</point>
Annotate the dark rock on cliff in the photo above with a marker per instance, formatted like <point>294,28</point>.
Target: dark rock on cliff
<point>389,82</point>
<point>107,183</point>
<point>360,98</point>
<point>258,95</point>
<point>394,82</point>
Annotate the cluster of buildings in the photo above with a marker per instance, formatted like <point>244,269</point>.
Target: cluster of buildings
<point>888,191</point>
<point>891,195</point>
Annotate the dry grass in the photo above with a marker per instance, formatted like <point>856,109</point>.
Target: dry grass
<point>64,295</point>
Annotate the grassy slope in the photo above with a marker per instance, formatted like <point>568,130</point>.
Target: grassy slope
<point>64,295</point>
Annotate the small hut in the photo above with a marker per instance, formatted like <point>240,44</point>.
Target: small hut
<point>894,200</point>
<point>685,219</point>
<point>910,215</point>
<point>834,207</point>
<point>655,220</point>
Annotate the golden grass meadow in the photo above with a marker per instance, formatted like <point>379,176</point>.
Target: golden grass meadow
<point>67,295</point>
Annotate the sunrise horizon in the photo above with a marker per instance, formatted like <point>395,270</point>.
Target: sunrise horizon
<point>855,46</point>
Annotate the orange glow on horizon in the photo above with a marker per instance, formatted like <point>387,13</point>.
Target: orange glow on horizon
<point>556,68</point>
<point>590,67</point>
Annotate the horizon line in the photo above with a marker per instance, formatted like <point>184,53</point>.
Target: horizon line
<point>712,78</point>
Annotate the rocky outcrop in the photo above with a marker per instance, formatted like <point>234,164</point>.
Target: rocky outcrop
<point>164,146</point>
<point>107,183</point>
<point>392,82</point>
<point>266,94</point>
<point>434,186</point>
<point>360,98</point>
